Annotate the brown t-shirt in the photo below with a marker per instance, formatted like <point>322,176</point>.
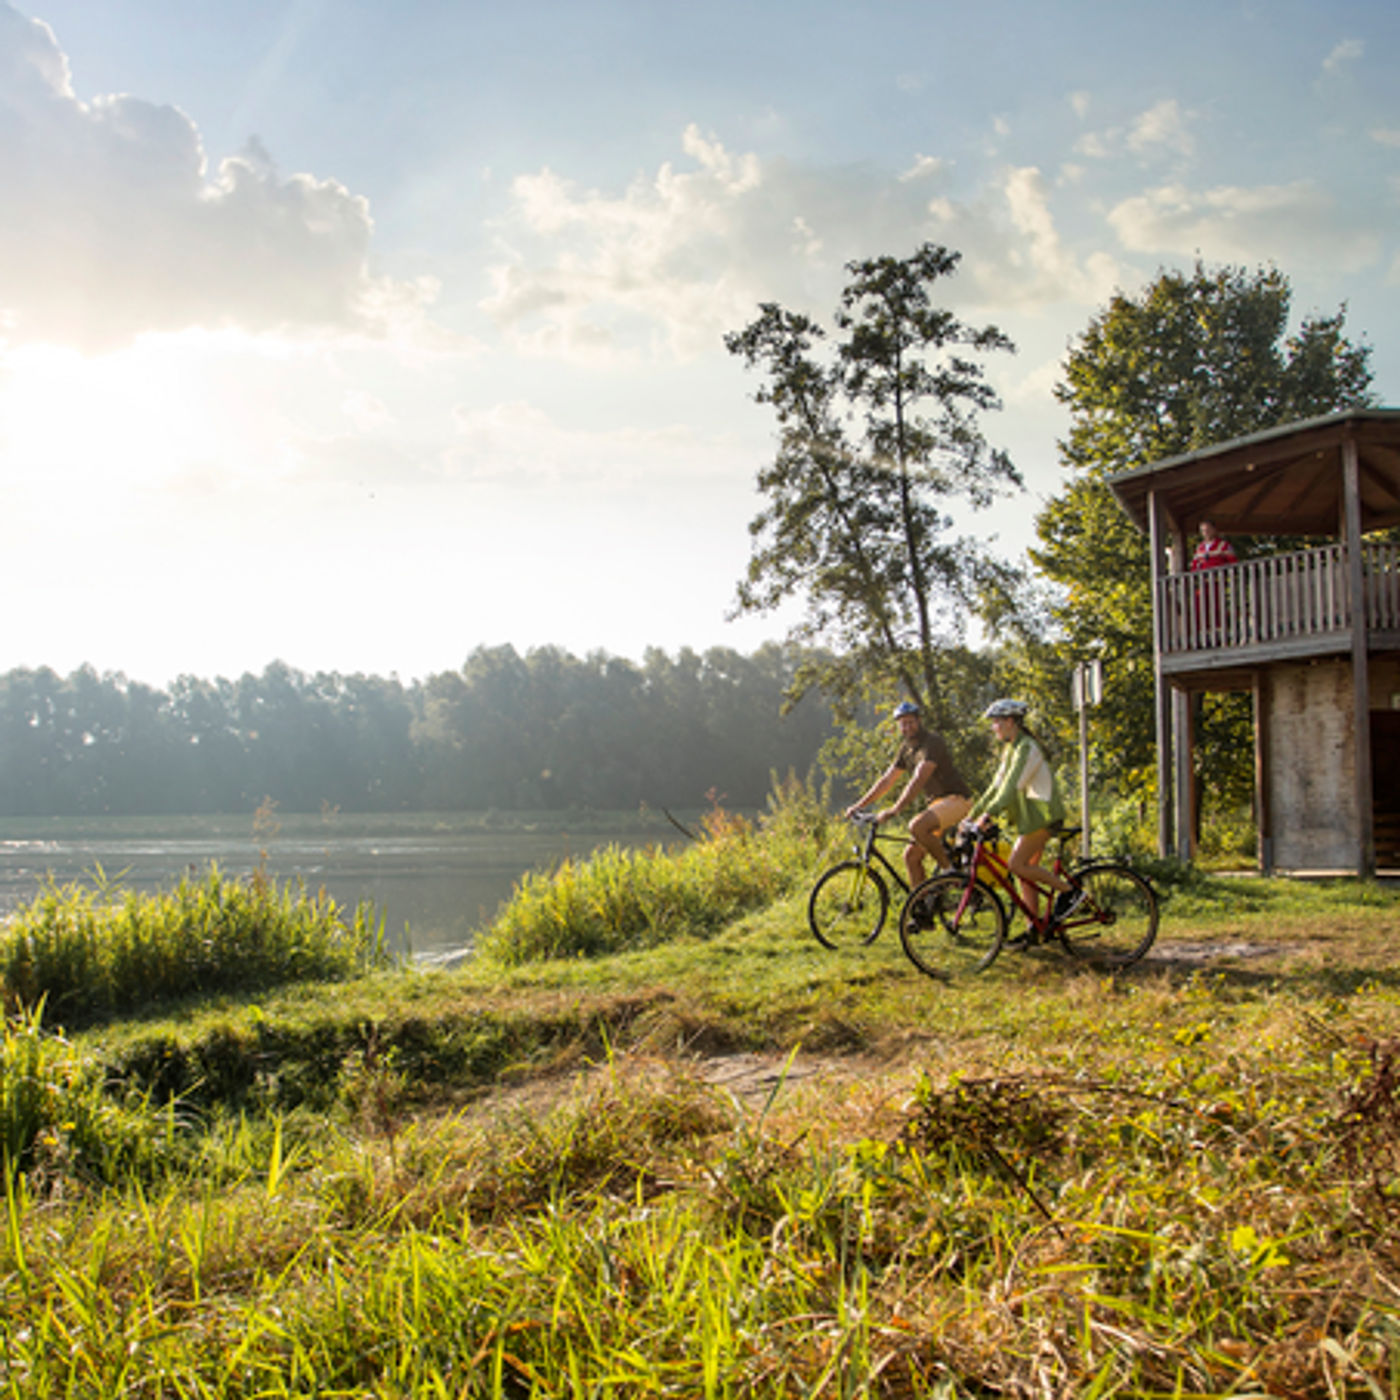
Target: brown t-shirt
<point>945,780</point>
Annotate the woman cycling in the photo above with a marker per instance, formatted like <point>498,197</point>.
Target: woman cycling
<point>1025,791</point>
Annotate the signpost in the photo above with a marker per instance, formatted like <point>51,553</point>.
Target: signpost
<point>1086,688</point>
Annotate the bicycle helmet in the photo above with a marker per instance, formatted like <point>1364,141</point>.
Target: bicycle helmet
<point>1006,709</point>
<point>905,707</point>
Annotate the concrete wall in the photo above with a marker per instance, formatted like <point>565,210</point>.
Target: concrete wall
<point>1311,765</point>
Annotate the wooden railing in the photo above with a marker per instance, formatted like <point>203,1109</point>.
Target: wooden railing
<point>1283,598</point>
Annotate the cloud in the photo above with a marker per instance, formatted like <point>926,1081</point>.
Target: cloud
<point>1021,259</point>
<point>111,226</point>
<point>1165,126</point>
<point>1297,223</point>
<point>1347,51</point>
<point>1385,136</point>
<point>925,167</point>
<point>669,264</point>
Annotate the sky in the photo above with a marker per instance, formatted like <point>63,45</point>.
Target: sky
<point>359,335</point>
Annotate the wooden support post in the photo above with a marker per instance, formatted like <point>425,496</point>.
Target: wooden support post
<point>1162,695</point>
<point>1263,786</point>
<point>1360,667</point>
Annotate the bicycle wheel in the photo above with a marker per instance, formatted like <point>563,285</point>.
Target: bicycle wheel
<point>947,929</point>
<point>1117,920</point>
<point>848,905</point>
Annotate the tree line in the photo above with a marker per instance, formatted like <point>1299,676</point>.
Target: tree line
<point>542,731</point>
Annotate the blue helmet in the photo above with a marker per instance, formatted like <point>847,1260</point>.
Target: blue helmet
<point>905,707</point>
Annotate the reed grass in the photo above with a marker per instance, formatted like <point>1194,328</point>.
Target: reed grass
<point>90,952</point>
<point>618,900</point>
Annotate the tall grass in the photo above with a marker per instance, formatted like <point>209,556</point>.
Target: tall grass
<point>58,1122</point>
<point>89,953</point>
<point>618,900</point>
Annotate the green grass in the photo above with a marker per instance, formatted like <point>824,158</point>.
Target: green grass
<point>88,953</point>
<point>528,1177</point>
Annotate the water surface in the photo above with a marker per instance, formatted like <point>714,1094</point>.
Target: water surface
<point>436,877</point>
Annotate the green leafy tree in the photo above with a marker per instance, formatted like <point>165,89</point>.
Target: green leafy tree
<point>878,436</point>
<point>1196,359</point>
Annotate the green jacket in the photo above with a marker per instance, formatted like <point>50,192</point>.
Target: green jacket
<point>1024,789</point>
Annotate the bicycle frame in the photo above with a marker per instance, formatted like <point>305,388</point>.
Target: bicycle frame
<point>986,858</point>
<point>867,850</point>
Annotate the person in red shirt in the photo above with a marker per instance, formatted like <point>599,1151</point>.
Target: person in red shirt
<point>1213,551</point>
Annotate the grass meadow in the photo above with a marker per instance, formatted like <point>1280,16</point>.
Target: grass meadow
<point>655,1141</point>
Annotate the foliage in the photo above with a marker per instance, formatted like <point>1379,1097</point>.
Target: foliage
<point>864,745</point>
<point>1194,360</point>
<point>90,953</point>
<point>854,523</point>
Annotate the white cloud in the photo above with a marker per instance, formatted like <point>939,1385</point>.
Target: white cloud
<point>1296,224</point>
<point>671,262</point>
<point>1021,260</point>
<point>1347,51</point>
<point>924,168</point>
<point>110,225</point>
<point>1165,126</point>
<point>1080,102</point>
<point>1093,145</point>
<point>1385,136</point>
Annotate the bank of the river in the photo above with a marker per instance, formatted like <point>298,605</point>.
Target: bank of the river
<point>739,1164</point>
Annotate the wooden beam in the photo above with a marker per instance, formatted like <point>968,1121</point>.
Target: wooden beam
<point>1183,749</point>
<point>1263,785</point>
<point>1157,526</point>
<point>1360,668</point>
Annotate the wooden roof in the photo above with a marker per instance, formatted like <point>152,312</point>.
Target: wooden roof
<point>1284,481</point>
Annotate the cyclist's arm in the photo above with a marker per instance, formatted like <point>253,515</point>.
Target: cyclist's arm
<point>999,797</point>
<point>917,779</point>
<point>878,788</point>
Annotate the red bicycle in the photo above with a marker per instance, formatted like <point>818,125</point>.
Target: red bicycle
<point>958,920</point>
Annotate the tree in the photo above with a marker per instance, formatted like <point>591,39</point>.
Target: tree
<point>1196,359</point>
<point>877,439</point>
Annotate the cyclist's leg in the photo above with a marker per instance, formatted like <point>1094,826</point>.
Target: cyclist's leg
<point>1024,864</point>
<point>927,829</point>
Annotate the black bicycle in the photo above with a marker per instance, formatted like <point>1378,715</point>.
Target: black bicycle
<point>850,901</point>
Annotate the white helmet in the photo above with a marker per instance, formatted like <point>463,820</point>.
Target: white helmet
<point>1006,709</point>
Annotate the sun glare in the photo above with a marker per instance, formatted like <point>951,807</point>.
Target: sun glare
<point>130,418</point>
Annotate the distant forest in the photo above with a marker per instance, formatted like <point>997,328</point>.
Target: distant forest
<point>543,731</point>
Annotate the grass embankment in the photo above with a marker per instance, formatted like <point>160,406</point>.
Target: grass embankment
<point>528,1178</point>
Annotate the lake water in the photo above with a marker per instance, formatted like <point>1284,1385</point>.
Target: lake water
<point>436,877</point>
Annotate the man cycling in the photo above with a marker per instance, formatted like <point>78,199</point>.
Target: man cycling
<point>931,775</point>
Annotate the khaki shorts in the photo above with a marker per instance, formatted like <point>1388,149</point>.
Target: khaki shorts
<point>947,811</point>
